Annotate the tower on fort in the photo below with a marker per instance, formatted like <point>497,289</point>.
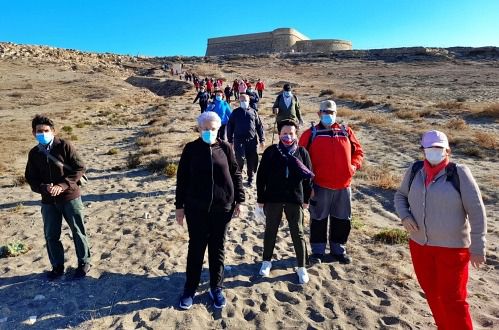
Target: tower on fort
<point>279,40</point>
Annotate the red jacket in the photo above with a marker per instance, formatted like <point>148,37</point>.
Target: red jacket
<point>332,154</point>
<point>260,86</point>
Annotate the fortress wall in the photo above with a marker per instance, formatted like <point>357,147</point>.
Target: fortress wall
<point>284,39</point>
<point>322,45</point>
<point>254,43</point>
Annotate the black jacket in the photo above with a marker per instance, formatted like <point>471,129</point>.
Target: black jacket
<point>272,184</point>
<point>41,171</point>
<point>208,177</point>
<point>244,125</point>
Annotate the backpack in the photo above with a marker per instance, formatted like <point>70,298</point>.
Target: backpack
<point>280,96</point>
<point>313,129</point>
<point>450,172</point>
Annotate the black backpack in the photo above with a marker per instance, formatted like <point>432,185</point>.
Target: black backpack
<point>450,172</point>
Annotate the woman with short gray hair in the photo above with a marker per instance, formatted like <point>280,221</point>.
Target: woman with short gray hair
<point>209,192</point>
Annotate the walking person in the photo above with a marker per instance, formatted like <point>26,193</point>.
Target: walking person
<point>208,194</point>
<point>260,87</point>
<point>244,131</point>
<point>336,155</point>
<point>284,184</point>
<point>235,89</point>
<point>203,96</point>
<point>228,93</point>
<point>287,106</point>
<point>53,170</point>
<point>441,207</point>
<point>242,87</point>
<point>222,109</point>
<point>253,97</point>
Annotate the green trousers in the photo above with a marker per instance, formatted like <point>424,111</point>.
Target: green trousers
<point>52,215</point>
<point>273,215</point>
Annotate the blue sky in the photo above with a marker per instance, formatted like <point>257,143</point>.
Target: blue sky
<point>182,27</point>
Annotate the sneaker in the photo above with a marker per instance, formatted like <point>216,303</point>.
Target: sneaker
<point>342,258</point>
<point>81,271</point>
<point>186,301</point>
<point>302,275</point>
<point>265,269</point>
<point>218,297</point>
<point>55,273</point>
<point>316,258</point>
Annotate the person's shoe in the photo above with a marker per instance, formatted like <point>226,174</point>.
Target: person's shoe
<point>81,271</point>
<point>186,301</point>
<point>55,273</point>
<point>342,258</point>
<point>302,275</point>
<point>265,269</point>
<point>218,298</point>
<point>316,258</point>
<point>250,182</point>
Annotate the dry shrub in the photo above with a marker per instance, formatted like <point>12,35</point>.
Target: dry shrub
<point>374,119</point>
<point>472,151</point>
<point>486,140</point>
<point>379,176</point>
<point>407,114</point>
<point>163,165</point>
<point>171,170</point>
<point>456,123</point>
<point>491,111</point>
<point>133,161</point>
<point>15,94</point>
<point>392,236</point>
<point>367,104</point>
<point>19,180</point>
<point>325,92</point>
<point>348,96</point>
<point>426,113</point>
<point>450,105</point>
<point>144,141</point>
<point>113,151</point>
<point>67,129</point>
<point>347,112</point>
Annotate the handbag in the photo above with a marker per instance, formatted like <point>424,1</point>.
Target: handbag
<point>83,180</point>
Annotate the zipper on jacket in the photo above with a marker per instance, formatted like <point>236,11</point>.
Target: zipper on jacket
<point>424,209</point>
<point>50,174</point>
<point>212,179</point>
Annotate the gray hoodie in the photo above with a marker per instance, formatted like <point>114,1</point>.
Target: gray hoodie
<point>445,218</point>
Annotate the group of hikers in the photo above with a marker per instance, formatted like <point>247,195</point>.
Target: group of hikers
<point>438,202</point>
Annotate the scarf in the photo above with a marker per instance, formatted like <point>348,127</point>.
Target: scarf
<point>432,171</point>
<point>293,164</point>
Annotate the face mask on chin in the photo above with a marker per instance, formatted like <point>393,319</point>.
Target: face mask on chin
<point>44,138</point>
<point>209,136</point>
<point>434,156</point>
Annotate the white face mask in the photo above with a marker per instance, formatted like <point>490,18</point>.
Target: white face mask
<point>434,156</point>
<point>244,104</point>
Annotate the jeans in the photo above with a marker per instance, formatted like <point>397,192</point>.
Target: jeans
<point>52,215</point>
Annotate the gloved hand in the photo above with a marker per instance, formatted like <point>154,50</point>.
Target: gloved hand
<point>259,214</point>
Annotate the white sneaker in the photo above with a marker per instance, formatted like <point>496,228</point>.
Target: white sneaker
<point>302,275</point>
<point>265,269</point>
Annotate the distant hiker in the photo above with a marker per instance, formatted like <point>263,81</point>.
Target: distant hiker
<point>196,84</point>
<point>253,97</point>
<point>242,87</point>
<point>235,89</point>
<point>208,194</point>
<point>209,86</point>
<point>284,184</point>
<point>53,171</point>
<point>228,93</point>
<point>260,86</point>
<point>222,109</point>
<point>336,155</point>
<point>203,96</point>
<point>286,106</point>
<point>441,207</point>
<point>244,130</point>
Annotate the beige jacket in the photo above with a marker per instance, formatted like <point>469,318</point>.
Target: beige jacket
<point>445,218</point>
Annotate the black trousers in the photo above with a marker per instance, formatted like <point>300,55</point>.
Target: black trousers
<point>247,150</point>
<point>205,229</point>
<point>260,94</point>
<point>339,230</point>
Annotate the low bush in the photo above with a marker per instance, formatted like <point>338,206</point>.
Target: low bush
<point>67,129</point>
<point>392,236</point>
<point>13,249</point>
<point>456,123</point>
<point>113,151</point>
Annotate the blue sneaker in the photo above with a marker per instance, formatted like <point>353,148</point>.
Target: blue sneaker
<point>186,301</point>
<point>218,298</point>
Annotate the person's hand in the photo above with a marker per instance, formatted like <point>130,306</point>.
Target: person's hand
<point>476,260</point>
<point>259,213</point>
<point>312,194</point>
<point>274,111</point>
<point>305,206</point>
<point>179,216</point>
<point>409,224</point>
<point>354,168</point>
<point>54,190</point>
<point>237,210</point>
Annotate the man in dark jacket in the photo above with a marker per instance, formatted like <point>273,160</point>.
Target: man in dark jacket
<point>284,183</point>
<point>203,96</point>
<point>243,131</point>
<point>253,97</point>
<point>287,106</point>
<point>60,195</point>
<point>209,191</point>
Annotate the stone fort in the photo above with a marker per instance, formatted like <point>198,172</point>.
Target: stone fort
<point>280,40</point>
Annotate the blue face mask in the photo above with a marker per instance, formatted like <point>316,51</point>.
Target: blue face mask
<point>44,138</point>
<point>287,93</point>
<point>209,136</point>
<point>328,120</point>
<point>218,97</point>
